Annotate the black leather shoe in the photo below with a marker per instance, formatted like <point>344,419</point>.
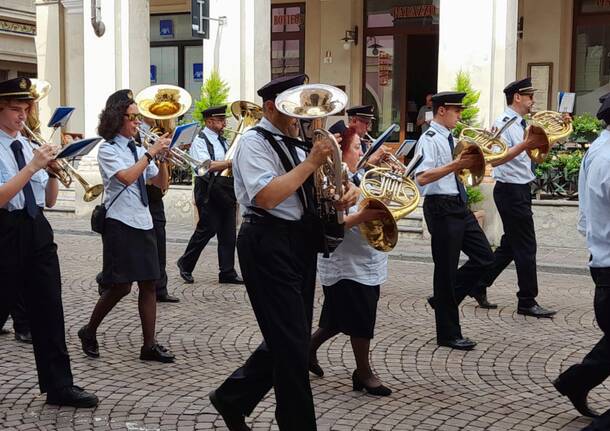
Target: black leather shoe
<point>315,367</point>
<point>24,337</point>
<point>72,396</point>
<point>484,303</point>
<point>156,353</point>
<point>4,331</point>
<point>233,280</point>
<point>88,343</point>
<point>359,385</point>
<point>577,398</point>
<point>536,311</point>
<point>233,421</point>
<point>167,298</point>
<point>457,343</point>
<point>430,300</point>
<point>186,276</point>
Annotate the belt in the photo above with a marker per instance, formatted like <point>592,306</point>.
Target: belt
<point>271,221</point>
<point>21,212</point>
<point>452,198</point>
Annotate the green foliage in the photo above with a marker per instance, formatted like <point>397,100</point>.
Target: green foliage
<point>586,128</point>
<point>214,92</point>
<point>475,195</point>
<point>471,110</point>
<point>558,174</point>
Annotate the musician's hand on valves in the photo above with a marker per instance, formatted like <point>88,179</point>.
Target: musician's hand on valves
<point>567,117</point>
<point>161,146</point>
<point>379,155</point>
<point>349,198</point>
<point>42,156</point>
<point>467,161</point>
<point>320,152</point>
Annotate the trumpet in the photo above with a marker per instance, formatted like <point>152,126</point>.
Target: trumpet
<point>177,156</point>
<point>65,172</point>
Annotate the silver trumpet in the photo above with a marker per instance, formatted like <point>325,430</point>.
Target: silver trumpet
<point>177,156</point>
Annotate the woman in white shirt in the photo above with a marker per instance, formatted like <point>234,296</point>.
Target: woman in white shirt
<point>351,277</point>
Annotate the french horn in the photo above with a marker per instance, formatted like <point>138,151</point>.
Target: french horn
<point>552,129</point>
<point>389,188</point>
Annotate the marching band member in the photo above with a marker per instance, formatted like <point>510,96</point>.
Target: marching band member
<point>351,277</point>
<point>360,118</point>
<point>512,195</point>
<point>277,254</point>
<point>594,210</point>
<point>129,242</point>
<point>451,224</point>
<point>28,256</point>
<point>217,216</point>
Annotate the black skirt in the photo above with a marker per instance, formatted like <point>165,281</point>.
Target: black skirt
<point>130,254</point>
<point>351,308</point>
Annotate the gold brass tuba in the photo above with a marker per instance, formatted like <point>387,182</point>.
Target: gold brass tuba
<point>312,103</point>
<point>164,104</point>
<point>554,129</point>
<point>388,188</point>
<point>248,115</point>
<point>65,172</point>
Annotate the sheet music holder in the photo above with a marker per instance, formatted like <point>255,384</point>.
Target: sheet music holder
<point>78,148</point>
<point>60,117</point>
<point>377,144</point>
<point>405,148</point>
<point>184,134</point>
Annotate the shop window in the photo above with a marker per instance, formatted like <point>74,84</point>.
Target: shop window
<point>287,39</point>
<point>3,74</point>
<point>591,53</point>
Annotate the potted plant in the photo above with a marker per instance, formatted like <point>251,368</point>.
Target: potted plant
<point>586,129</point>
<point>475,196</point>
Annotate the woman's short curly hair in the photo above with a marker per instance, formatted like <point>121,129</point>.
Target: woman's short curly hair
<point>111,119</point>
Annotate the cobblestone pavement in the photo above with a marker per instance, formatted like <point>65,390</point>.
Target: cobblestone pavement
<point>504,384</point>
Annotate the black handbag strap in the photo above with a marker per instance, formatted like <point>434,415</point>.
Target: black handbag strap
<point>122,190</point>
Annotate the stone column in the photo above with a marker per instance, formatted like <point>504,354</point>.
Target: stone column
<point>481,39</point>
<point>240,49</point>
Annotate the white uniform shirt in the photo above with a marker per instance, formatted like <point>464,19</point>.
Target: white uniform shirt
<point>354,259</point>
<point>8,169</point>
<point>199,149</point>
<point>519,169</point>
<point>436,151</point>
<point>594,200</point>
<point>256,164</point>
<point>128,207</point>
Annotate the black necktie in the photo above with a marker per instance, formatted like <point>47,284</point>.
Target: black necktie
<point>524,125</point>
<point>30,200</point>
<point>460,185</point>
<point>141,182</point>
<point>223,142</point>
<point>356,180</point>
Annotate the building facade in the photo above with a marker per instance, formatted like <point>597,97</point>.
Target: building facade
<point>17,32</point>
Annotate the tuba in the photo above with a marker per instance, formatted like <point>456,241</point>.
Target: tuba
<point>164,104</point>
<point>248,115</point>
<point>554,129</point>
<point>389,188</point>
<point>65,172</point>
<point>486,145</point>
<point>312,104</point>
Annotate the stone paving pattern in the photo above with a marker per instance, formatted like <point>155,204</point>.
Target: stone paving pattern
<point>504,384</point>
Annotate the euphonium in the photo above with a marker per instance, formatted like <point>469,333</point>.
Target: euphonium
<point>486,145</point>
<point>388,188</point>
<point>553,128</point>
<point>248,115</point>
<point>313,103</point>
<point>164,103</point>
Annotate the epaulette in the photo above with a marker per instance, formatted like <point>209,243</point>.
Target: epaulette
<point>505,119</point>
<point>430,133</point>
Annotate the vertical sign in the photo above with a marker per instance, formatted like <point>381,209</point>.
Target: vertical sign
<point>198,72</point>
<point>200,9</point>
<point>166,28</point>
<point>153,74</point>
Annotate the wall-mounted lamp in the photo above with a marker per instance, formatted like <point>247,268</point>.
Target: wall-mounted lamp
<point>375,46</point>
<point>96,18</point>
<point>351,37</point>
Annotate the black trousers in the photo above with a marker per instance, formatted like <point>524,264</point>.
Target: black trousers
<point>29,265</point>
<point>157,211</point>
<point>518,243</point>
<point>18,313</point>
<point>453,228</point>
<point>213,220</point>
<point>595,367</point>
<point>278,264</point>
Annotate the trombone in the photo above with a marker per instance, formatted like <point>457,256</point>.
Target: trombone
<point>177,156</point>
<point>65,172</point>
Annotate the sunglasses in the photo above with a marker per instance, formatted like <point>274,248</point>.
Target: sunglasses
<point>134,117</point>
